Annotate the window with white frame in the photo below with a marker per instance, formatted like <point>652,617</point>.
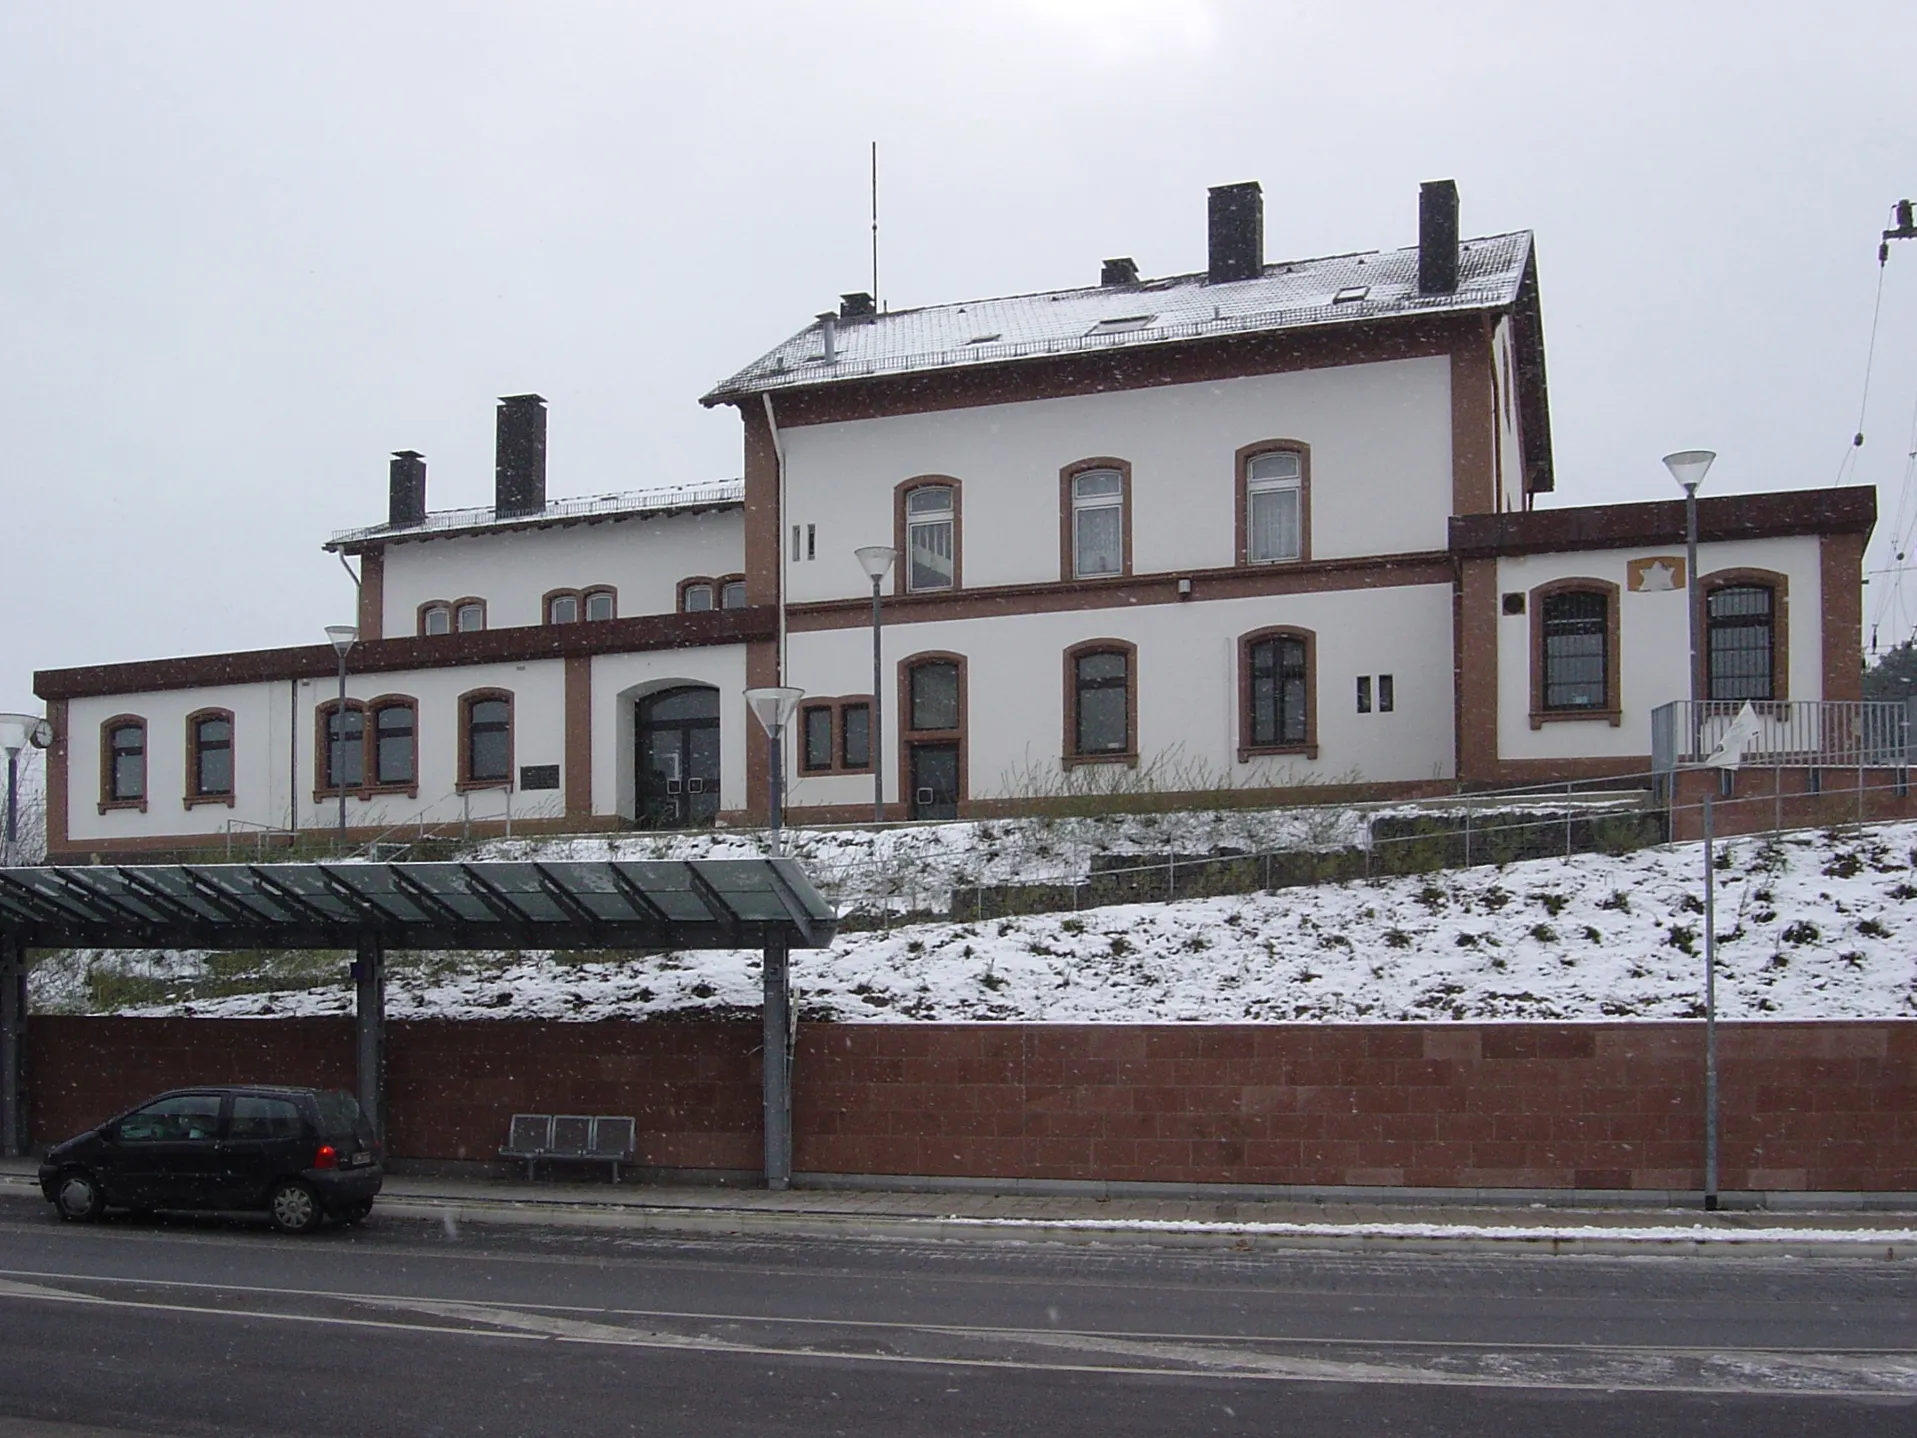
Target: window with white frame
<point>930,524</point>
<point>1098,523</point>
<point>1274,495</point>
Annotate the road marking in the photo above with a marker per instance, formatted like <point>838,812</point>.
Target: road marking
<point>1201,1362</point>
<point>955,1329</point>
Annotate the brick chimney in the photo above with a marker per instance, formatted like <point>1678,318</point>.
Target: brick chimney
<point>1237,232</point>
<point>519,470</point>
<point>406,498</point>
<point>1438,237</point>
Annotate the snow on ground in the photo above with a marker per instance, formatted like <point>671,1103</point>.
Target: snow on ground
<point>1809,926</point>
<point>914,868</point>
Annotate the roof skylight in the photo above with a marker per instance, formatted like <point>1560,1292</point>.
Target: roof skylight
<point>1349,293</point>
<point>1121,324</point>
<point>982,339</point>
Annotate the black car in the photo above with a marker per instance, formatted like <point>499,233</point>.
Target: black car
<point>301,1154</point>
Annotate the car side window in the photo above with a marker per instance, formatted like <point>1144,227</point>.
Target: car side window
<point>185,1117</point>
<point>255,1117</point>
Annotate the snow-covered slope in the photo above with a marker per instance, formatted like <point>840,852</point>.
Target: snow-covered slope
<point>1809,926</point>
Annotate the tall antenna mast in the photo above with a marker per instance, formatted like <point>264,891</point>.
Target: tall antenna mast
<point>875,225</point>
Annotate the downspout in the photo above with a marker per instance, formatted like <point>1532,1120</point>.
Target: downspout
<point>293,762</point>
<point>778,455</point>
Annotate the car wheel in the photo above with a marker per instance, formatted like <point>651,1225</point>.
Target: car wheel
<point>354,1213</point>
<point>78,1197</point>
<point>294,1207</point>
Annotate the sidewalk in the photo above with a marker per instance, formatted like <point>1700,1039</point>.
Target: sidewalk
<point>1180,1222</point>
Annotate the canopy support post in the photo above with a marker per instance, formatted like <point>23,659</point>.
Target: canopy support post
<point>778,1065</point>
<point>369,978</point>
<point>13,1046</point>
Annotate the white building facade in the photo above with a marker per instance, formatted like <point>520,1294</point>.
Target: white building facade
<point>1268,530</point>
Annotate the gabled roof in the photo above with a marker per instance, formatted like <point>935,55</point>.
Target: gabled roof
<point>1294,295</point>
<point>447,523</point>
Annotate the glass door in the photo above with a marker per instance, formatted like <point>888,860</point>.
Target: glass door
<point>677,763</point>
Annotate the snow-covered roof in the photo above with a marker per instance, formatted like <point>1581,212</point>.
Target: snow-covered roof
<point>448,522</point>
<point>1295,294</point>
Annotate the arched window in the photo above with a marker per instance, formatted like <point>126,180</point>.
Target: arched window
<point>927,523</point>
<point>602,603</point>
<point>1274,502</point>
<point>209,756</point>
<point>469,615</point>
<point>1101,702</point>
<point>732,591</point>
<point>1574,651</point>
<point>342,754</point>
<point>394,736</point>
<point>123,763</point>
<point>1744,635</point>
<point>1096,499</point>
<point>696,595</point>
<point>1277,688</point>
<point>436,618</point>
<point>562,606</point>
<point>485,739</point>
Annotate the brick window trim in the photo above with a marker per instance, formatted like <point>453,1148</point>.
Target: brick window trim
<point>452,608</point>
<point>369,752</point>
<point>107,726</point>
<point>1248,751</point>
<point>901,570</point>
<point>907,736</point>
<point>579,598</point>
<point>837,705</point>
<point>1780,588</point>
<point>193,798</point>
<point>1067,514</point>
<point>1070,758</point>
<point>467,784</point>
<point>1241,484</point>
<point>1613,711</point>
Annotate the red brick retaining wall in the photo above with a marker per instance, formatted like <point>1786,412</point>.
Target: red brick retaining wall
<point>1821,1106</point>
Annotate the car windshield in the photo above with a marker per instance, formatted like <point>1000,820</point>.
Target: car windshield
<point>338,1111</point>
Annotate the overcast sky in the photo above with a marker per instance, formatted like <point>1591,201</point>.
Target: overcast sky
<point>246,251</point>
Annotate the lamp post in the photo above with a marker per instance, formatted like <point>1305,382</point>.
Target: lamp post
<point>773,707</point>
<point>1688,467</point>
<point>343,638</point>
<point>16,732</point>
<point>876,560</point>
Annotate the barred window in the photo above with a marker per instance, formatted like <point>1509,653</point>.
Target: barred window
<point>1577,650</point>
<point>1741,640</point>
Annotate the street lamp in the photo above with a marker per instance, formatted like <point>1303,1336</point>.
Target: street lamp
<point>343,638</point>
<point>16,732</point>
<point>1688,467</point>
<point>875,560</point>
<point>772,707</point>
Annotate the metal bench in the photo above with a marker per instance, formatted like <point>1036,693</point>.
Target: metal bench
<point>570,1138</point>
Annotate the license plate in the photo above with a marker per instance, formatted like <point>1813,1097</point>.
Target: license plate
<point>362,1157</point>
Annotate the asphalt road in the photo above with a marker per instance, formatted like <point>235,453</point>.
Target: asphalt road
<point>411,1327</point>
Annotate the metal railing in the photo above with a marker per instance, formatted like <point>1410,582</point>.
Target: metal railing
<point>1794,733</point>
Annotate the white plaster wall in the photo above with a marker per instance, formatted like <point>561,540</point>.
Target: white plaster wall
<point>260,773</point>
<point>538,690</point>
<point>644,558</point>
<point>620,680</point>
<point>1380,437</point>
<point>1653,642</point>
<point>1187,688</point>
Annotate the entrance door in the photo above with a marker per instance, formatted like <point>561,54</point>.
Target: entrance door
<point>677,763</point>
<point>935,781</point>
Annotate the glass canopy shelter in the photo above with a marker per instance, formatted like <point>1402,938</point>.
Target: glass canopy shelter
<point>369,908</point>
